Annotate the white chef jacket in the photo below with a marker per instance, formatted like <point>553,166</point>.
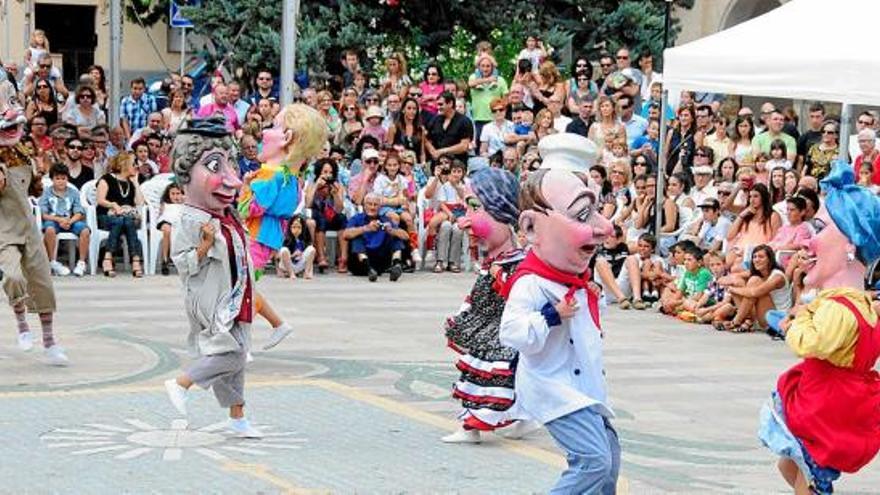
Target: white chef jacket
<point>560,368</point>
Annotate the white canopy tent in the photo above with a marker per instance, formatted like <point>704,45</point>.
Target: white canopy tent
<point>806,49</point>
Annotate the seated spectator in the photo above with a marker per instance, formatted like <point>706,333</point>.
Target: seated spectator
<point>146,168</point>
<point>63,213</point>
<point>362,183</point>
<point>796,234</point>
<point>447,194</point>
<point>648,143</point>
<point>757,224</point>
<point>790,179</point>
<point>762,173</point>
<point>77,174</point>
<point>667,278</point>
<point>373,127</point>
<point>375,243</point>
<point>616,271</point>
<point>297,255</point>
<point>689,290</point>
<point>765,289</point>
<point>645,210</point>
<point>866,177</point>
<point>248,161</point>
<point>494,134</point>
<point>869,155</point>
<point>704,187</point>
<point>710,231</point>
<point>169,215</point>
<point>325,197</point>
<point>778,156</point>
<point>713,306</point>
<point>391,187</point>
<point>118,201</point>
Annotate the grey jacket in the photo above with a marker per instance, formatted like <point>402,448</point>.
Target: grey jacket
<point>211,301</point>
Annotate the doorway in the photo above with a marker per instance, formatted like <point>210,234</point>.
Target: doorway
<point>71,33</point>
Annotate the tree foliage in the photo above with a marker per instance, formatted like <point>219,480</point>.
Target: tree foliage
<point>420,29</point>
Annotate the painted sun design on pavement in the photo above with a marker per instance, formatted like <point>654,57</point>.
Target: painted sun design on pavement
<point>139,438</point>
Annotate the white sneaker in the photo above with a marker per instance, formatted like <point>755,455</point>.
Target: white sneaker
<point>249,358</point>
<point>416,256</point>
<point>177,395</point>
<point>80,268</point>
<point>519,429</point>
<point>25,341</point>
<point>55,356</point>
<point>463,436</point>
<point>278,335</point>
<point>59,269</point>
<point>242,428</point>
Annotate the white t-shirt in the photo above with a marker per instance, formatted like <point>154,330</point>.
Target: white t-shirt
<point>387,188</point>
<point>533,56</point>
<point>561,122</point>
<point>447,193</point>
<point>494,135</point>
<point>709,233</point>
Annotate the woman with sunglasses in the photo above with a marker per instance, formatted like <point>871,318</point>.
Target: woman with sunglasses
<point>821,154</point>
<point>431,88</point>
<point>581,85</point>
<point>85,114</point>
<point>350,127</point>
<point>43,103</point>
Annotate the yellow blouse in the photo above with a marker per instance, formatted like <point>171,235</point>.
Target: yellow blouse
<point>826,329</point>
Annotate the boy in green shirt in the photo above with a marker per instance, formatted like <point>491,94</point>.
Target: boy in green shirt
<point>692,284</point>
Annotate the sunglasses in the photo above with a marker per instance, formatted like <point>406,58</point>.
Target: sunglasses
<point>86,96</point>
<point>700,153</point>
<point>724,193</point>
<point>187,85</point>
<point>75,147</point>
<point>829,132</point>
<point>372,160</point>
<point>641,164</point>
<point>497,110</point>
<point>580,65</point>
<point>43,66</point>
<point>622,57</point>
<point>42,86</point>
<point>605,65</point>
<point>416,94</point>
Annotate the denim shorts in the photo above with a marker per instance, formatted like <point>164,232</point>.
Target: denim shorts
<point>75,228</point>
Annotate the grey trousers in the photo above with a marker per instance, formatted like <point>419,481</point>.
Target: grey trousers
<point>449,240</point>
<point>223,373</point>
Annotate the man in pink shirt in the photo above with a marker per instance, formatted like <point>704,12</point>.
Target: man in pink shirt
<point>221,105</point>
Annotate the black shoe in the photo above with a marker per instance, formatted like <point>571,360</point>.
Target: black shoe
<point>395,271</point>
<point>372,274</point>
<point>166,270</point>
<point>409,267</point>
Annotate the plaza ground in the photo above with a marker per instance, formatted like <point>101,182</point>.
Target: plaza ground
<point>357,399</point>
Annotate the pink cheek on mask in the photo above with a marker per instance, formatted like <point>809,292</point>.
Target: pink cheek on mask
<point>481,227</point>
<point>580,235</point>
<point>213,182</point>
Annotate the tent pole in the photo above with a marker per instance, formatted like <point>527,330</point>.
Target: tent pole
<point>843,137</point>
<point>661,166</point>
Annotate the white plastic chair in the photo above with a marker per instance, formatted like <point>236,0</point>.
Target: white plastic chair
<point>152,191</point>
<point>88,197</point>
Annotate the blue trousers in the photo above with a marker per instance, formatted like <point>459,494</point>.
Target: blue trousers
<point>592,451</point>
<point>121,226</point>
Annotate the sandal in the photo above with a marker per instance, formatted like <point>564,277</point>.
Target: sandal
<point>322,266</point>
<point>438,267</point>
<point>342,266</point>
<point>107,267</point>
<point>718,325</point>
<point>624,304</point>
<point>454,268</point>
<point>137,269</point>
<point>744,327</point>
<point>639,305</point>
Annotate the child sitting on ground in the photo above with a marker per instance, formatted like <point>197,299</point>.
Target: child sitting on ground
<point>693,284</point>
<point>667,279</point>
<point>715,297</point>
<point>297,255</point>
<point>169,214</point>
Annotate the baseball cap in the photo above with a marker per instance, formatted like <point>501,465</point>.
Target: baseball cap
<point>711,203</point>
<point>368,154</point>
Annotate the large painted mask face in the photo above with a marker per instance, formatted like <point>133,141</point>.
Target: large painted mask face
<point>11,121</point>
<point>276,141</point>
<point>828,251</point>
<point>567,234</point>
<point>491,234</point>
<point>213,181</point>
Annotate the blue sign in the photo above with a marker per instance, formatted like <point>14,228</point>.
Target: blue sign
<point>177,19</point>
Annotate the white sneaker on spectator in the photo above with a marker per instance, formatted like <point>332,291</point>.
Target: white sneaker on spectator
<point>55,356</point>
<point>59,269</point>
<point>242,428</point>
<point>278,334</point>
<point>416,257</point>
<point>25,341</point>
<point>248,358</point>
<point>177,395</point>
<point>463,436</point>
<point>80,268</point>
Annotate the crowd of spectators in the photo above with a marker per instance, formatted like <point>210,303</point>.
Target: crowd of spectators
<point>739,204</point>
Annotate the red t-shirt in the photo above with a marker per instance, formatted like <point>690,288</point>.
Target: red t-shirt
<point>875,176</point>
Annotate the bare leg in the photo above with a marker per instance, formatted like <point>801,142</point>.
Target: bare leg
<point>788,469</point>
<point>321,247</point>
<point>166,242</point>
<point>266,311</point>
<point>49,237</point>
<point>607,277</point>
<point>84,241</point>
<point>635,277</point>
<point>236,411</point>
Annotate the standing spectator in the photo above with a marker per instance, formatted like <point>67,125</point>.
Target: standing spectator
<point>187,85</point>
<point>718,140</point>
<point>176,113</point>
<point>581,124</point>
<point>634,124</point>
<point>331,115</point>
<point>551,84</point>
<point>486,86</point>
<point>45,70</point>
<point>99,84</point>
<point>43,103</point>
<point>136,107</point>
<point>649,76</point>
<point>868,154</point>
<point>392,110</point>
<point>63,213</point>
<point>581,85</point>
<point>375,243</point>
<point>608,126</point>
<point>865,120</point>
<point>821,154</point>
<point>85,114</point>
<point>450,132</point>
<point>775,124</point>
<point>407,130</point>
<point>38,45</point>
<point>680,142</point>
<point>145,167</point>
<point>77,174</point>
<point>265,87</point>
<point>396,79</point>
<point>431,88</point>
<point>221,105</point>
<point>236,102</point>
<point>534,51</point>
<point>555,104</point>
<point>704,115</point>
<point>154,127</point>
<point>350,66</point>
<point>493,135</point>
<point>741,143</point>
<point>812,135</point>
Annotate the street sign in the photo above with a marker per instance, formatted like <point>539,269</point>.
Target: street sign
<point>177,19</point>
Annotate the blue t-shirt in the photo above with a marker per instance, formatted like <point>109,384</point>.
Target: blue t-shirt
<point>373,240</point>
<point>641,140</point>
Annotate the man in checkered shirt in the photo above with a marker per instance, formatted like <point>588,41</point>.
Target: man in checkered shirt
<point>134,109</point>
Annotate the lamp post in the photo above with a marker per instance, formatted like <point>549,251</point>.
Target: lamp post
<point>288,49</point>
<point>659,193</point>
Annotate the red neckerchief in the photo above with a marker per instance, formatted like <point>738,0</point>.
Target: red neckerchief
<point>532,265</point>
